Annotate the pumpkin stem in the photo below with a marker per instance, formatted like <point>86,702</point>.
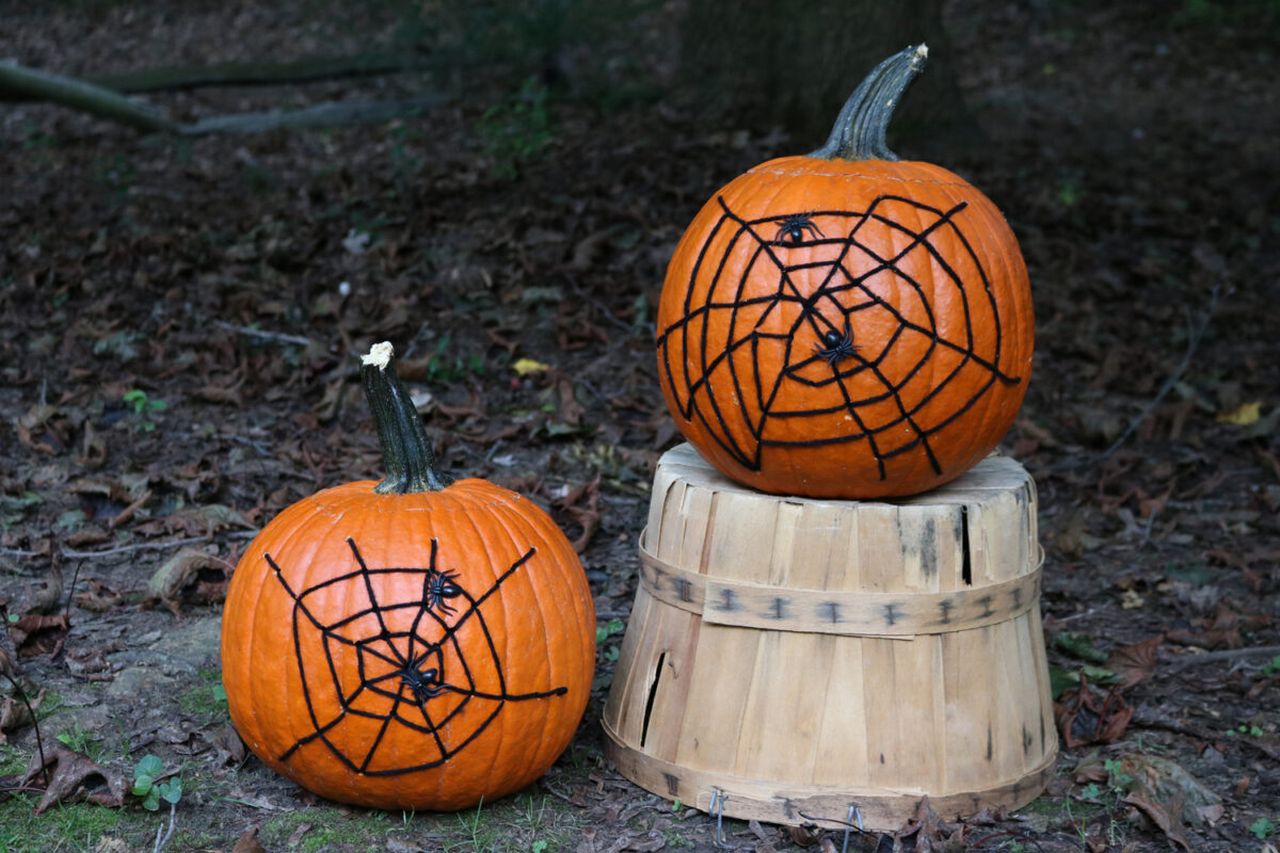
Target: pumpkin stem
<point>860,128</point>
<point>406,452</point>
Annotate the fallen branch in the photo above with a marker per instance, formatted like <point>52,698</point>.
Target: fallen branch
<point>1180,663</point>
<point>318,115</point>
<point>313,70</point>
<point>103,102</point>
<point>86,97</point>
<point>276,337</point>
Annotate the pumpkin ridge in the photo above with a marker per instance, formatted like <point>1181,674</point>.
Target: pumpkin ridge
<point>258,606</point>
<point>560,584</point>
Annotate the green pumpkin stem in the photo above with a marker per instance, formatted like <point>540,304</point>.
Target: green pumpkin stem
<point>860,128</point>
<point>406,451</point>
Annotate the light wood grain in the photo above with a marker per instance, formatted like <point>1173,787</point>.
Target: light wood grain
<point>801,654</point>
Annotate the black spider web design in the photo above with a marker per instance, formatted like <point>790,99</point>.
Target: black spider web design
<point>750,419</point>
<point>400,652</point>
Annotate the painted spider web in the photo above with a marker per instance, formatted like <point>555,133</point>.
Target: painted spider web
<point>397,665</point>
<point>832,389</point>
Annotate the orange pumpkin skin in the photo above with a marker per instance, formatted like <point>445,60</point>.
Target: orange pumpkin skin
<point>763,376</point>
<point>420,650</point>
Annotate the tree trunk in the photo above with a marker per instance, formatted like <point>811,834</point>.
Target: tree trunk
<point>773,63</point>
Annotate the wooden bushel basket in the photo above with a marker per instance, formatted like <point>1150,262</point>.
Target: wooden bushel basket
<point>818,661</point>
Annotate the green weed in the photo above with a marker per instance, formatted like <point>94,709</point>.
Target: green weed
<point>143,407</point>
<point>517,129</point>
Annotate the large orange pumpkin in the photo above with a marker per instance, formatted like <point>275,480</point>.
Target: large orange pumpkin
<point>845,324</point>
<point>410,644</point>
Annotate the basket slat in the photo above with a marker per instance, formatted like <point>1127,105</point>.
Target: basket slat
<point>732,675</point>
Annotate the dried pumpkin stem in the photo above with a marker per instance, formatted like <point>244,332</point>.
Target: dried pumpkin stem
<point>406,451</point>
<point>859,132</point>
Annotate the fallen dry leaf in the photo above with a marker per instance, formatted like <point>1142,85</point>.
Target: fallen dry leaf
<point>190,576</point>
<point>1086,715</point>
<point>583,505</point>
<point>204,520</point>
<point>14,713</point>
<point>72,775</point>
<point>529,366</point>
<point>1244,414</point>
<point>1159,788</point>
<point>1134,664</point>
<point>931,833</point>
<point>36,634</point>
<point>248,842</point>
<point>227,743</point>
<point>98,598</point>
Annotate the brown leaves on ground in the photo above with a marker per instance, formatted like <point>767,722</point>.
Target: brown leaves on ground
<point>1134,664</point>
<point>16,714</point>
<point>582,504</point>
<point>1222,630</point>
<point>248,842</point>
<point>97,597</point>
<point>191,577</point>
<point>67,775</point>
<point>203,520</point>
<point>1159,788</point>
<point>928,832</point>
<point>1085,715</point>
<point>38,634</point>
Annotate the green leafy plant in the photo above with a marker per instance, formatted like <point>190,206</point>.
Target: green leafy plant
<point>148,787</point>
<point>609,629</point>
<point>79,740</point>
<point>143,407</point>
<point>1117,779</point>
<point>1271,667</point>
<point>517,129</point>
<point>1262,828</point>
<point>444,370</point>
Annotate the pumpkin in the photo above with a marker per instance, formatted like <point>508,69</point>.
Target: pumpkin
<point>410,644</point>
<point>846,324</point>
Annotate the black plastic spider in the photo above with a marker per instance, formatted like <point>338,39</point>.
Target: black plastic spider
<point>795,226</point>
<point>838,346</point>
<point>439,586</point>
<point>424,683</point>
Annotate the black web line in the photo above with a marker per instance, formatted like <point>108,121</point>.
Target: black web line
<point>746,387</point>
<point>401,665</point>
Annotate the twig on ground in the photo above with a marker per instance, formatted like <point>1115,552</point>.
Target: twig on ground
<point>162,837</point>
<point>1195,333</point>
<point>1147,721</point>
<point>72,554</point>
<point>1180,663</point>
<point>260,334</point>
<point>317,115</point>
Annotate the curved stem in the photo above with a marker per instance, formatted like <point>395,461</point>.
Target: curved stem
<point>406,452</point>
<point>859,132</point>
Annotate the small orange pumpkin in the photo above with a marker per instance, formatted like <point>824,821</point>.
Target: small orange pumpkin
<point>409,644</point>
<point>845,324</point>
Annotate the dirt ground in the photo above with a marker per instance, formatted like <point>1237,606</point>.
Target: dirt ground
<point>179,320</point>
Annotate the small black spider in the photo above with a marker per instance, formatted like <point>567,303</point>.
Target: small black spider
<point>424,683</point>
<point>440,586</point>
<point>795,226</point>
<point>838,346</point>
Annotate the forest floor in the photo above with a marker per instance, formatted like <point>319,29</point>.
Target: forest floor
<point>179,321</point>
